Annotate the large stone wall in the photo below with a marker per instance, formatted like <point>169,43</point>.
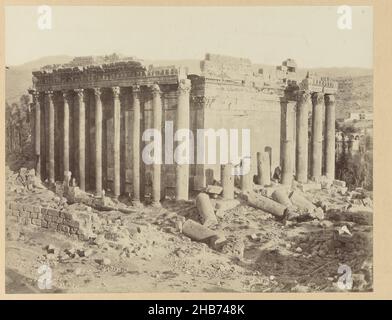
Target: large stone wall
<point>233,106</point>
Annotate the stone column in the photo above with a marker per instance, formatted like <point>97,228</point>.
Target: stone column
<point>136,152</point>
<point>82,139</point>
<point>246,179</point>
<point>182,119</point>
<point>317,135</point>
<point>51,137</point>
<point>301,154</point>
<point>157,124</point>
<point>37,131</point>
<point>287,150</point>
<point>227,180</point>
<point>98,142</point>
<point>330,136</point>
<point>66,132</point>
<point>263,168</point>
<point>116,138</point>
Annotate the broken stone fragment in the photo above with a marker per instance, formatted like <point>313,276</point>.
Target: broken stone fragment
<point>105,262</point>
<point>214,189</point>
<point>339,183</point>
<point>317,213</point>
<point>201,233</point>
<point>51,249</point>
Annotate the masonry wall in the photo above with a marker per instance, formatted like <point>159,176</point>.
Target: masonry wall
<point>63,222</point>
<point>235,106</point>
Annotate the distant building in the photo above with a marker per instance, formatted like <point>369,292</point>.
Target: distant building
<point>359,116</point>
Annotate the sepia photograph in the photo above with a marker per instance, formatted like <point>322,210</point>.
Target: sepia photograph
<point>173,149</point>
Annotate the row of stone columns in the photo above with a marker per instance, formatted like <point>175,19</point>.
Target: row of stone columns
<point>182,121</point>
<point>318,101</point>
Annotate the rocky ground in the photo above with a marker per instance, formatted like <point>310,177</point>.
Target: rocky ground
<point>144,249</point>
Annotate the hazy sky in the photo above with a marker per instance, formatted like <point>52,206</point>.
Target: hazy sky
<point>264,34</point>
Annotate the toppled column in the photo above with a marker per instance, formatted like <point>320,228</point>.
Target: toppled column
<point>287,150</point>
<point>301,154</point>
<point>136,146</point>
<point>98,142</point>
<point>205,209</point>
<point>227,180</point>
<point>82,139</point>
<point>157,125</point>
<point>266,204</point>
<point>51,137</point>
<point>116,142</point>
<point>201,233</point>
<point>330,136</point>
<point>317,135</point>
<point>281,196</point>
<point>300,201</point>
<point>263,169</point>
<point>182,122</point>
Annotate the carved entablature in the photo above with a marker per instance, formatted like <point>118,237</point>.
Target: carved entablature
<point>319,84</point>
<point>124,73</point>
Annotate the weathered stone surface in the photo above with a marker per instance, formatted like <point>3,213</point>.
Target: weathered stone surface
<point>266,204</point>
<point>205,209</point>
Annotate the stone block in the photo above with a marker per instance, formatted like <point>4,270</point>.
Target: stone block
<point>339,183</point>
<point>67,215</point>
<point>44,224</point>
<point>53,212</point>
<point>23,220</point>
<point>36,222</point>
<point>52,225</point>
<point>24,213</point>
<point>27,207</point>
<point>64,228</point>
<point>16,206</point>
<point>311,186</point>
<point>34,215</point>
<point>73,223</point>
<point>36,209</point>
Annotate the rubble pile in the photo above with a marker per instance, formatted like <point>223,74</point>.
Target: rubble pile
<point>21,181</point>
<point>271,238</point>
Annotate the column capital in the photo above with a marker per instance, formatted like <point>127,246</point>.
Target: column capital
<point>97,92</point>
<point>35,94</point>
<point>116,92</point>
<point>303,97</point>
<point>65,94</point>
<point>184,86</point>
<point>135,89</point>
<point>79,93</point>
<point>50,94</point>
<point>317,98</point>
<point>155,89</point>
<point>329,99</point>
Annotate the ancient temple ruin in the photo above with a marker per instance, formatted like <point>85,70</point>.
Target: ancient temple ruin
<point>90,116</point>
